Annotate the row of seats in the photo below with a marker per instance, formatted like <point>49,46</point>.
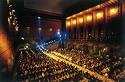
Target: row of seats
<point>34,67</point>
<point>109,65</point>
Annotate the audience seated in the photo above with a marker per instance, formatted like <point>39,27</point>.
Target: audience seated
<point>39,67</point>
<point>106,60</point>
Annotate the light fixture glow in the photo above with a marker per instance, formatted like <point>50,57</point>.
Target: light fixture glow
<point>58,32</point>
<point>89,18</point>
<point>38,17</point>
<point>50,29</point>
<point>74,22</point>
<point>13,23</point>
<point>22,38</point>
<point>99,15</point>
<point>39,29</point>
<point>68,23</point>
<point>80,20</point>
<point>10,17</point>
<point>113,11</point>
<point>17,28</point>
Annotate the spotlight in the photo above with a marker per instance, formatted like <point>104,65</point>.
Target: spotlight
<point>22,38</point>
<point>26,46</point>
<point>13,23</point>
<point>10,17</point>
<point>58,33</point>
<point>38,17</point>
<point>50,29</point>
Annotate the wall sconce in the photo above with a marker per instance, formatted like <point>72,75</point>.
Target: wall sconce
<point>74,21</point>
<point>68,23</point>
<point>99,15</point>
<point>89,18</point>
<point>113,11</point>
<point>80,20</point>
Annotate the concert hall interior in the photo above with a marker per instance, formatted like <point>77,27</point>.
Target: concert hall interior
<point>62,40</point>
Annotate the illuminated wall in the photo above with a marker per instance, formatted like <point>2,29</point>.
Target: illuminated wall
<point>6,49</point>
<point>88,19</point>
<point>6,54</point>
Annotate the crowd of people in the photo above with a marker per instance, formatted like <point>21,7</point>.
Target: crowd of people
<point>79,58</point>
<point>37,67</point>
<point>103,59</point>
<point>32,66</point>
